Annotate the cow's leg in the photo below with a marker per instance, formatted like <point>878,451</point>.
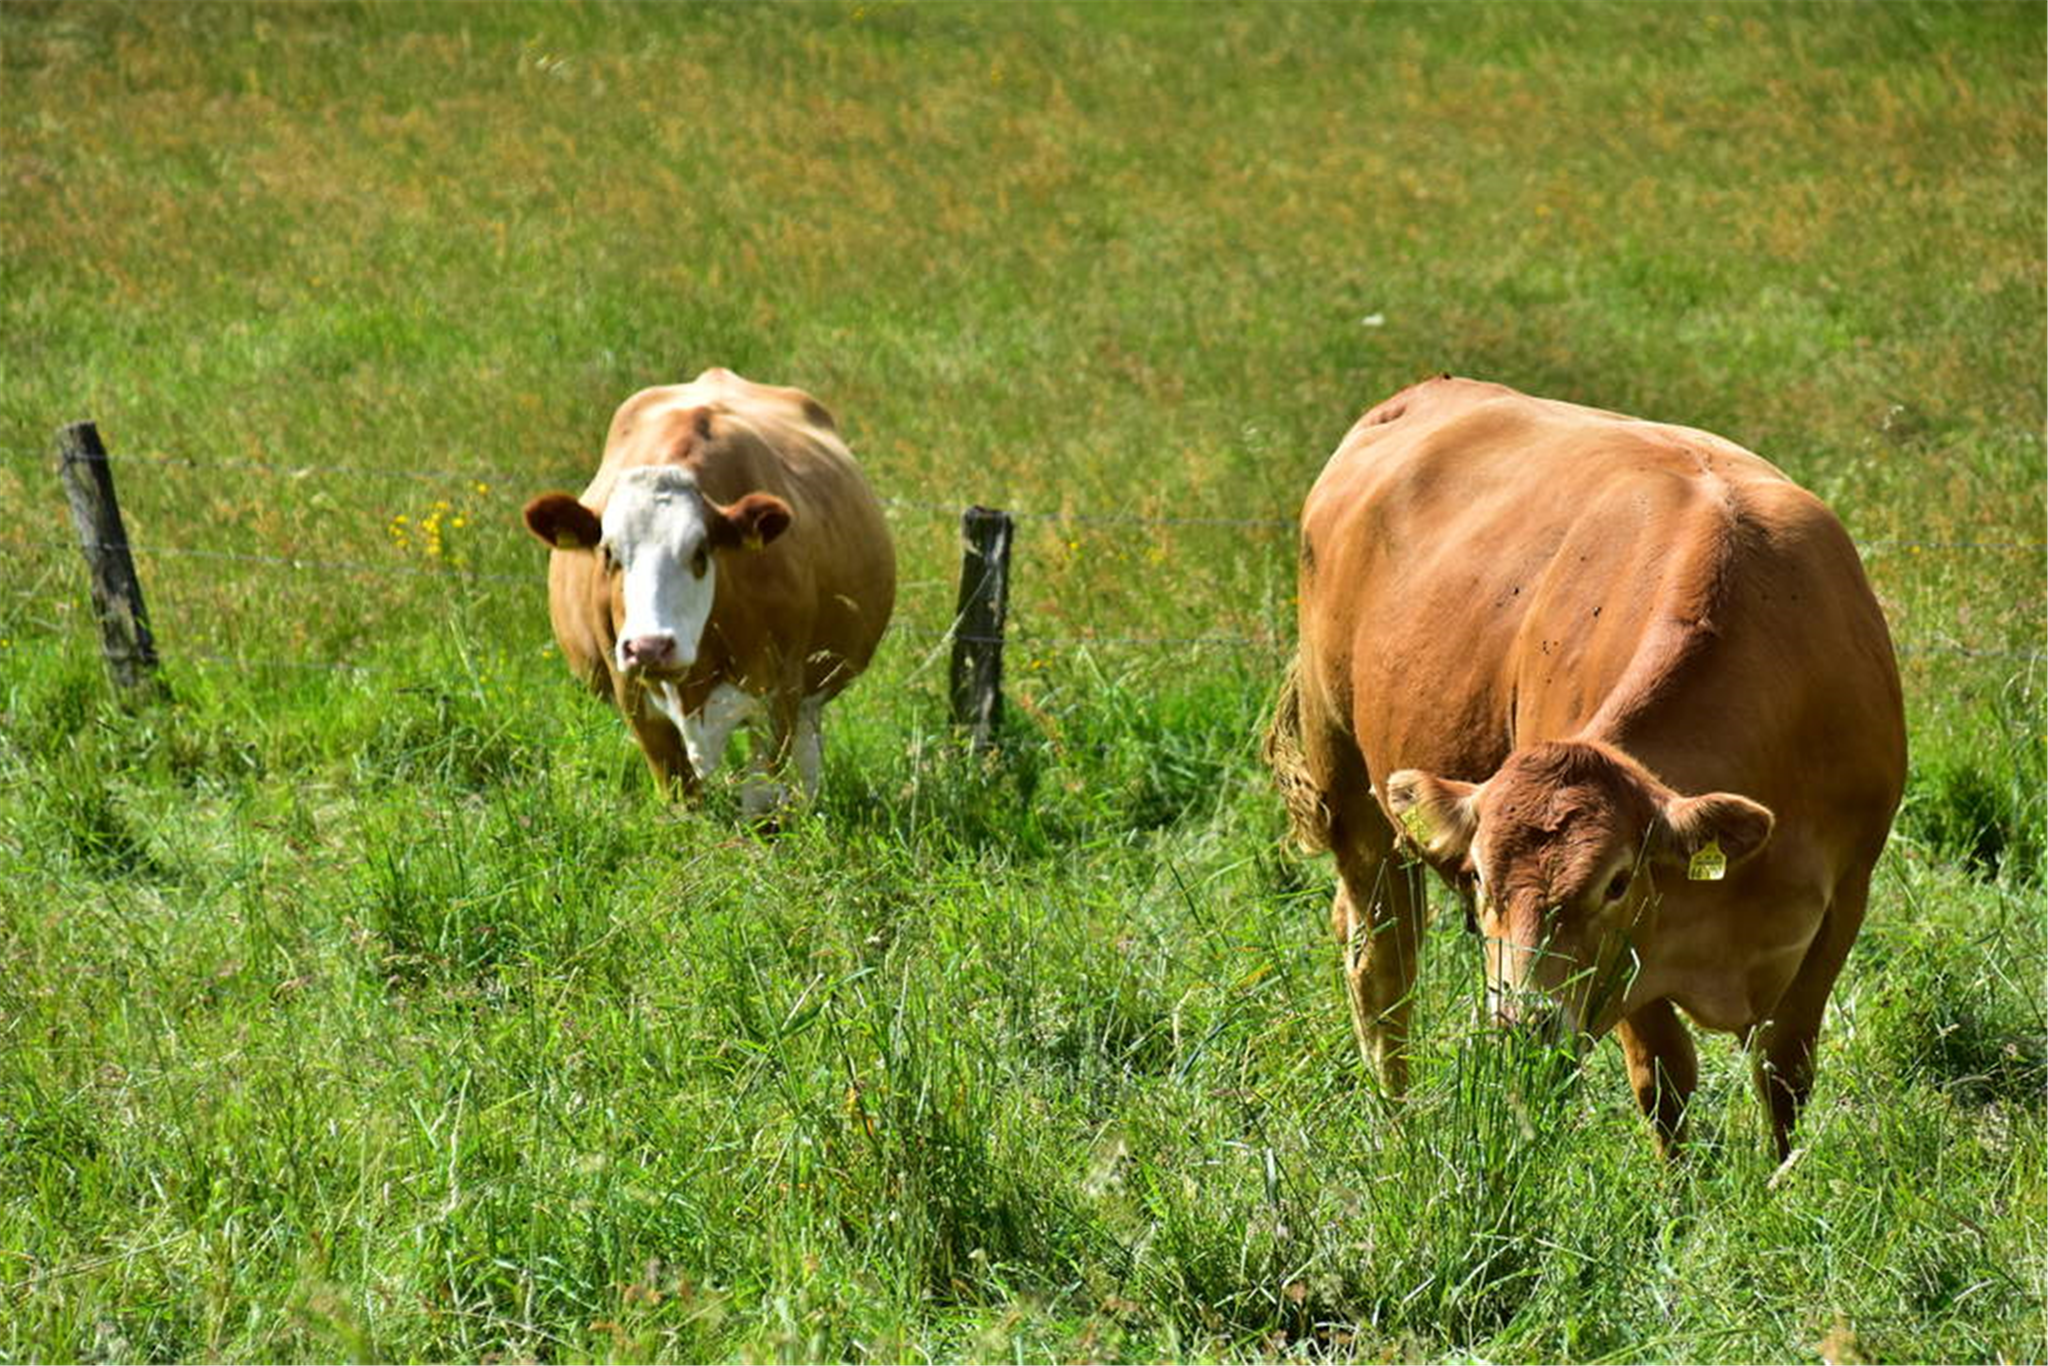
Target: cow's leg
<point>1782,1047</point>
<point>661,742</point>
<point>810,745</point>
<point>708,732</point>
<point>1378,910</point>
<point>1663,1068</point>
<point>761,796</point>
<point>1377,917</point>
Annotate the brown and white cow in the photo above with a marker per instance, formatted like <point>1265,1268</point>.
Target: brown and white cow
<point>728,564</point>
<point>1624,686</point>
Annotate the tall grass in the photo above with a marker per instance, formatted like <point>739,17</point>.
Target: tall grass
<point>380,1012</point>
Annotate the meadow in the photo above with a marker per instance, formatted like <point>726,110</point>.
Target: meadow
<point>359,1000</point>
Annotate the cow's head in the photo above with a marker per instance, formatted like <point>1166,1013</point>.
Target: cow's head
<point>1564,843</point>
<point>658,540</point>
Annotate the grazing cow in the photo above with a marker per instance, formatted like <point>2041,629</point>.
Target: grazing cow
<point>728,564</point>
<point>1624,686</point>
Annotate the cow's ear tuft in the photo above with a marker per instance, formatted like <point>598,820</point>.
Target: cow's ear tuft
<point>1712,833</point>
<point>1441,815</point>
<point>563,523</point>
<point>751,522</point>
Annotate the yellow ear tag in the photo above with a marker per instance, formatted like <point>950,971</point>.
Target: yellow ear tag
<point>566,540</point>
<point>1709,864</point>
<point>754,541</point>
<point>1417,825</point>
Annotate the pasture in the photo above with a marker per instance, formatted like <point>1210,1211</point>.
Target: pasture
<point>362,1002</point>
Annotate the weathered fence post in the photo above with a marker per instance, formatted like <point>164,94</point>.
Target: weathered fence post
<point>978,623</point>
<point>125,639</point>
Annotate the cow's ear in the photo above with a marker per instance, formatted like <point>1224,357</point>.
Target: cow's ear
<point>749,523</point>
<point>1439,814</point>
<point>1709,834</point>
<point>563,522</point>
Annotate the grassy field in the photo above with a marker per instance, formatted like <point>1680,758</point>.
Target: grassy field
<point>362,1002</point>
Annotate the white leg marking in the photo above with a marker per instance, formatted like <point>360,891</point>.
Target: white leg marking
<point>759,794</point>
<point>705,734</point>
<point>669,703</point>
<point>810,745</point>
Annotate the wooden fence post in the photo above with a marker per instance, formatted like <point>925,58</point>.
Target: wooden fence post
<point>978,623</point>
<point>125,638</point>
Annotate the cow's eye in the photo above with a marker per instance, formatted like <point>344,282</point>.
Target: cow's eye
<point>700,562</point>
<point>1617,887</point>
<point>605,556</point>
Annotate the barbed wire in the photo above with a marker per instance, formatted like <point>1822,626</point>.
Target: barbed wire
<point>299,562</point>
<point>1027,641</point>
<point>1880,547</point>
<point>252,464</point>
<point>954,508</point>
<point>1023,639</point>
<point>485,478</point>
<point>1969,652</point>
<point>932,637</point>
<point>927,636</point>
<point>1087,518</point>
<point>448,571</point>
<point>310,665</point>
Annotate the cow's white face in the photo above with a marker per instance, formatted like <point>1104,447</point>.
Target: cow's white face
<point>657,542</point>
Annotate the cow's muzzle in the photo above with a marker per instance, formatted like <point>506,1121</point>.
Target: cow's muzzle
<point>654,653</point>
<point>1531,1014</point>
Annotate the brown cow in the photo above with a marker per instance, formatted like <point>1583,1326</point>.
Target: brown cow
<point>727,563</point>
<point>1625,687</point>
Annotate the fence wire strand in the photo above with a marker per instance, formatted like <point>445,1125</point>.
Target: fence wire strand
<point>250,464</point>
<point>300,563</point>
<point>930,637</point>
<point>946,509</point>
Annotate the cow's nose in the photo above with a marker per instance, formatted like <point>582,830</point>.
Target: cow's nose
<point>1522,1011</point>
<point>1537,1019</point>
<point>654,651</point>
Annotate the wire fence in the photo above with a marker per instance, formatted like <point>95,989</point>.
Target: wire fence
<point>1275,633</point>
<point>481,480</point>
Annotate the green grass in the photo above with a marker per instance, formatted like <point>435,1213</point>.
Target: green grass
<point>381,1013</point>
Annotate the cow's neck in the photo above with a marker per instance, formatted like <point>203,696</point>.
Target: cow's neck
<point>1650,688</point>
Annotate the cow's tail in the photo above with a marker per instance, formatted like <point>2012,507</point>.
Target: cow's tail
<point>1308,814</point>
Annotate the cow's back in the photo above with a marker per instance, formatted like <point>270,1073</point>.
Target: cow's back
<point>1482,569</point>
<point>824,590</point>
